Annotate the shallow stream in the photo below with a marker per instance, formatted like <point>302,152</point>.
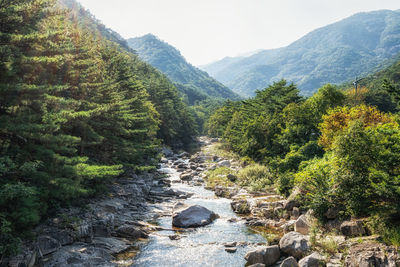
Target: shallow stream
<point>202,246</point>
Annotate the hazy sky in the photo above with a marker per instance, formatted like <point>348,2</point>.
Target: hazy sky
<point>208,30</point>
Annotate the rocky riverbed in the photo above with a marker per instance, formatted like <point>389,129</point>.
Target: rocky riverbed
<point>171,218</point>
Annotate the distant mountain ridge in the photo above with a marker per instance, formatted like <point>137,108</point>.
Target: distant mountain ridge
<point>332,54</point>
<point>196,84</point>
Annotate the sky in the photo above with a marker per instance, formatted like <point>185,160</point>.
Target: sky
<point>208,30</point>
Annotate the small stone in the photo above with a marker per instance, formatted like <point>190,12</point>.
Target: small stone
<point>174,237</point>
<point>231,177</point>
<point>224,163</point>
<point>230,244</point>
<point>231,250</point>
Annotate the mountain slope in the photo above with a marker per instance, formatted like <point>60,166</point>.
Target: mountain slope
<point>177,124</point>
<point>332,54</point>
<point>193,82</point>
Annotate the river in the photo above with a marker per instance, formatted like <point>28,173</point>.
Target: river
<point>202,246</point>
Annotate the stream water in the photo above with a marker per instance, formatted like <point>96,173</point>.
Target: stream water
<point>202,246</point>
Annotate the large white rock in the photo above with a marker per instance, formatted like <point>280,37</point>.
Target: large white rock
<point>193,216</point>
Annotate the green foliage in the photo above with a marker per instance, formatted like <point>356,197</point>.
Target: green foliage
<point>255,176</point>
<point>360,176</point>
<point>77,109</point>
<point>218,177</point>
<point>9,244</point>
<point>285,183</point>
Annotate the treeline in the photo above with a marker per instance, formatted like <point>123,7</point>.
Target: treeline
<point>336,148</point>
<point>76,110</point>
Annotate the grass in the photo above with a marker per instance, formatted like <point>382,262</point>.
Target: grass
<point>222,151</point>
<point>329,245</point>
<point>218,177</point>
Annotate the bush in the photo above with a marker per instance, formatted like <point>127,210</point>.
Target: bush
<point>20,205</point>
<point>315,180</point>
<point>255,176</point>
<point>339,119</point>
<point>285,183</point>
<point>9,244</point>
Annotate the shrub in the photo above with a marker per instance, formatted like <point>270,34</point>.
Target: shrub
<point>255,176</point>
<point>339,119</point>
<point>285,183</point>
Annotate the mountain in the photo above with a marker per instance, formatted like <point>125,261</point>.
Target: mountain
<point>196,84</point>
<point>177,124</point>
<point>335,53</point>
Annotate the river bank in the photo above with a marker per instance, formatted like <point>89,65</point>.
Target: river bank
<point>132,225</point>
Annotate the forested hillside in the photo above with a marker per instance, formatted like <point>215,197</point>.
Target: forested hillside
<point>195,84</point>
<point>336,149</point>
<point>77,110</point>
<point>335,53</point>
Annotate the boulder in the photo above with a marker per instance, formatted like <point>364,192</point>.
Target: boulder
<point>47,245</point>
<point>167,152</point>
<point>257,265</point>
<point>294,244</point>
<point>80,255</point>
<point>292,202</point>
<point>186,177</point>
<point>267,256</point>
<point>372,254</point>
<point>289,262</point>
<point>183,155</point>
<point>255,256</point>
<point>193,216</point>
<point>352,228</point>
<point>313,260</point>
<point>224,163</point>
<point>111,244</point>
<point>272,255</point>
<point>302,225</point>
<point>131,232</point>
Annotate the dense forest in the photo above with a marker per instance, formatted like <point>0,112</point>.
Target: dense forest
<point>77,110</point>
<point>339,148</point>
